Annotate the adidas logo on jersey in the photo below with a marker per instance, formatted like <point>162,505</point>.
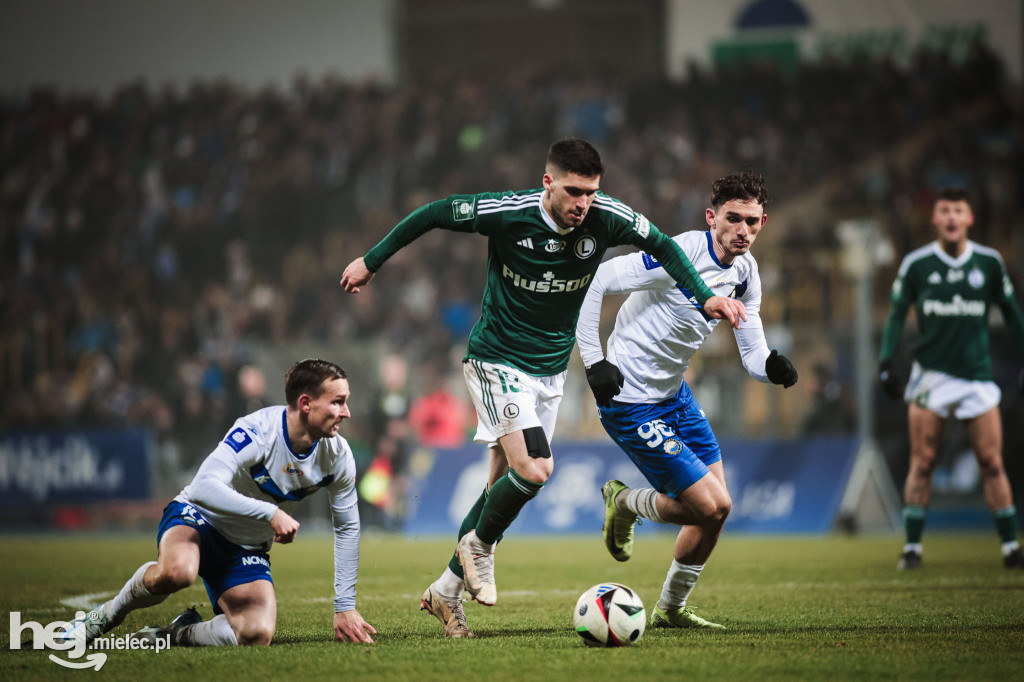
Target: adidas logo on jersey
<point>528,243</point>
<point>934,278</point>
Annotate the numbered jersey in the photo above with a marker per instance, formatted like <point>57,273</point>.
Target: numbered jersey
<point>254,470</point>
<point>951,299</point>
<point>537,272</point>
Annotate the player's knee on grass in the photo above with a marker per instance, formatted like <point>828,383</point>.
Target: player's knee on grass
<point>253,632</point>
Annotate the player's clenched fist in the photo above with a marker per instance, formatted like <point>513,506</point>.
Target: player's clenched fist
<point>285,527</point>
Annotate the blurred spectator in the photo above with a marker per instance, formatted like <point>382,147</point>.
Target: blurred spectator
<point>382,479</point>
<point>831,411</point>
<point>149,237</point>
<point>439,417</point>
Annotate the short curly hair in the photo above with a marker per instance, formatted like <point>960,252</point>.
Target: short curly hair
<point>742,186</point>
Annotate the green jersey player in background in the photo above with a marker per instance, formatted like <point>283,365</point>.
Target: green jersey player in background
<point>951,283</point>
<point>544,246</point>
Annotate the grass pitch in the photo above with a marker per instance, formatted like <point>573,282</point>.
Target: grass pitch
<point>796,608</point>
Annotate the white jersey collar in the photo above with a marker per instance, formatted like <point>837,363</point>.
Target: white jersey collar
<point>548,220</point>
<point>288,441</point>
<point>714,257</point>
<point>957,262</point>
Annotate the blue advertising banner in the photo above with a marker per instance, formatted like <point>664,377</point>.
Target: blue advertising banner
<point>776,486</point>
<point>71,466</point>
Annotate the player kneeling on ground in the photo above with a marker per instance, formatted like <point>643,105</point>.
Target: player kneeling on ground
<point>654,417</point>
<point>221,526</point>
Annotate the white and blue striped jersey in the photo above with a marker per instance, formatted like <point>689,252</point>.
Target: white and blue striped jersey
<point>660,326</point>
<point>254,471</point>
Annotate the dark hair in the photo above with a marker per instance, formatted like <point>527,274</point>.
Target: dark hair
<point>953,194</point>
<point>308,376</point>
<point>739,186</point>
<point>573,155</point>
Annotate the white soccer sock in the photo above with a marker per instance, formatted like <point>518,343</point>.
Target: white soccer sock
<point>914,547</point>
<point>1008,547</point>
<point>642,502</point>
<point>133,595</point>
<point>214,632</point>
<point>449,585</point>
<point>678,585</point>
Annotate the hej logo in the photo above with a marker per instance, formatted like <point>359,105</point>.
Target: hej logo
<point>54,636</point>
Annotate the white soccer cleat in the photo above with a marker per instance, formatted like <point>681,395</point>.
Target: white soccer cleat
<point>94,624</point>
<point>448,611</point>
<point>477,559</point>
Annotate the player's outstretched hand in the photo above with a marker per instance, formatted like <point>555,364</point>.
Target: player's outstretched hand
<point>355,276</point>
<point>605,380</point>
<point>349,625</point>
<point>891,383</point>
<point>780,370</point>
<point>285,527</point>
<point>723,308</point>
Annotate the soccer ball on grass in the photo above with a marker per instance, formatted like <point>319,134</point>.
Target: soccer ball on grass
<point>609,614</point>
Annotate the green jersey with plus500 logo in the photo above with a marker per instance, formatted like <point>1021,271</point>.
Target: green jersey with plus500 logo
<point>537,272</point>
<point>951,298</point>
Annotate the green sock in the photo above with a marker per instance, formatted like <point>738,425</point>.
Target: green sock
<point>913,522</point>
<point>1006,523</point>
<point>468,524</point>
<point>507,497</point>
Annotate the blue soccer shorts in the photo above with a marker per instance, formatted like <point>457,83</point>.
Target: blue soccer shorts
<point>670,442</point>
<point>222,563</point>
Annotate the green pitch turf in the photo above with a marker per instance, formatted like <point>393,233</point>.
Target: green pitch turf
<point>796,609</point>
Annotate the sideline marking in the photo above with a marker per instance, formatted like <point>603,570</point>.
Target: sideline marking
<point>86,602</point>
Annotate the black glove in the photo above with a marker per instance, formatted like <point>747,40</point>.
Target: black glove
<point>780,370</point>
<point>891,383</point>
<point>605,380</point>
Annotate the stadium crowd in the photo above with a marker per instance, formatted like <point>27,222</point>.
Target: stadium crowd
<point>149,238</point>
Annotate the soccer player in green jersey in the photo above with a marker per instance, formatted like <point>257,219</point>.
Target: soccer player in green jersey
<point>951,283</point>
<point>544,246</point>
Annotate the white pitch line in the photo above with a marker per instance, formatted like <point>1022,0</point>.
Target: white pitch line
<point>372,597</point>
<point>85,602</point>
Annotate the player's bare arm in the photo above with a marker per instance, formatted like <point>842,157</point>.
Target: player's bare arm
<point>723,308</point>
<point>355,276</point>
<point>350,626</point>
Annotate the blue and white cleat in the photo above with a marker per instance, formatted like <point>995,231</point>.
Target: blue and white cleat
<point>94,624</point>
